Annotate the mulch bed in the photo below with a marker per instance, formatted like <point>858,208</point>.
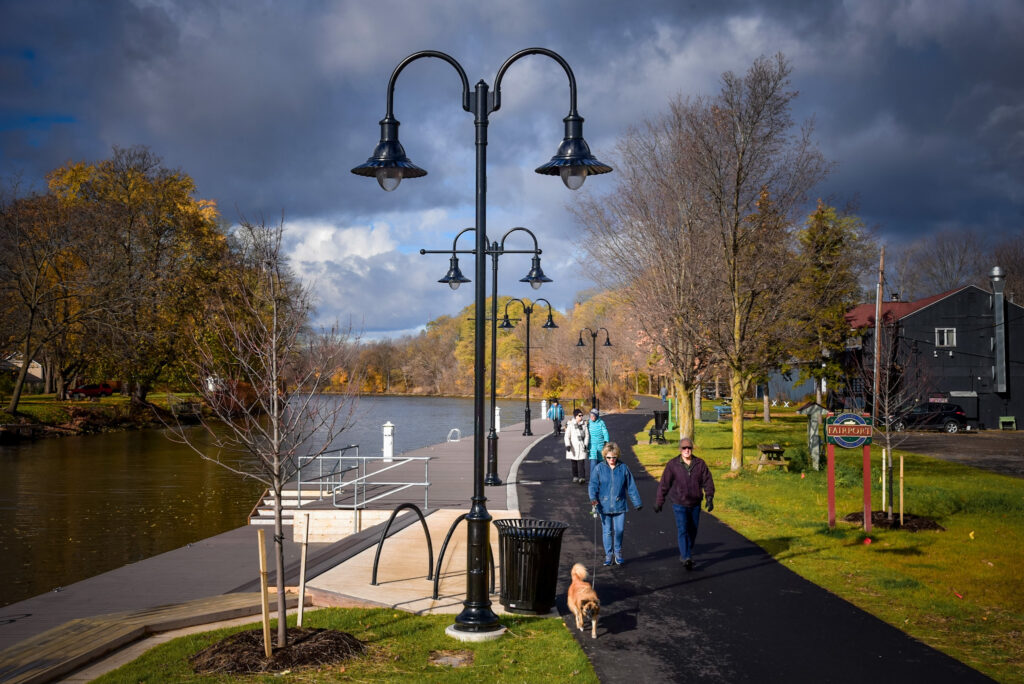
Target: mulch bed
<point>911,522</point>
<point>242,653</point>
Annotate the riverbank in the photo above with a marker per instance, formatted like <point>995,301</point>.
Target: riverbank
<point>43,415</point>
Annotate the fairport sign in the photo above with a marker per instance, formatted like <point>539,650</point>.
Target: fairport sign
<point>848,430</point>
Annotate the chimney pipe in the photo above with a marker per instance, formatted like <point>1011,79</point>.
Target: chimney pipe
<point>998,278</point>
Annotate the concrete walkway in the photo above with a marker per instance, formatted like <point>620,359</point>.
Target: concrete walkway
<point>740,616</point>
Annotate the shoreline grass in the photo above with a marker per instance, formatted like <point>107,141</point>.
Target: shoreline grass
<point>956,590</point>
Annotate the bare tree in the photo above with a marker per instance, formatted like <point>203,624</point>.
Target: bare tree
<point>903,383</point>
<point>649,239</point>
<point>261,371</point>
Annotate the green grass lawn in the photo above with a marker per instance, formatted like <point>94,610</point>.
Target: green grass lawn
<point>958,590</point>
<point>534,650</point>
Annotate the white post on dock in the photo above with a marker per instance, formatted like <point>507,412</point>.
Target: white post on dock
<point>497,419</point>
<point>544,409</point>
<point>389,441</point>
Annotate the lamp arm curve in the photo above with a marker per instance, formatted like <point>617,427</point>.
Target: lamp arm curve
<point>536,248</point>
<point>496,94</point>
<point>412,58</point>
<point>515,299</point>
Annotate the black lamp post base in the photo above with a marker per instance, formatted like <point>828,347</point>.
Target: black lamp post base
<point>492,479</point>
<point>460,634</point>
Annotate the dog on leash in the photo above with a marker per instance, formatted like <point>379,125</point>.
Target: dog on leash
<point>583,601</point>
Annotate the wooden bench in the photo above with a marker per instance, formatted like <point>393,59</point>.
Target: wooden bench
<point>771,455</point>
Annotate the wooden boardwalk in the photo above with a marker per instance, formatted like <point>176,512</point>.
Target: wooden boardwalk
<point>61,650</point>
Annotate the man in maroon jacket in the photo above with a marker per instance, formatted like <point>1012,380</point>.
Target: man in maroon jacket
<point>686,481</point>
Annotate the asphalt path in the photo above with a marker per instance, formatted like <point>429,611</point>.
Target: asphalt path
<point>739,616</point>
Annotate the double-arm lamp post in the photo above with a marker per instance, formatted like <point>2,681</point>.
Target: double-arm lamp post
<point>506,324</point>
<point>453,278</point>
<point>593,361</point>
<point>389,165</point>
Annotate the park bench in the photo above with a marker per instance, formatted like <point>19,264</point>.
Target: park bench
<point>771,455</point>
<point>1007,423</point>
<point>724,412</point>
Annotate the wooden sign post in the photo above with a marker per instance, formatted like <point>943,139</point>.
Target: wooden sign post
<point>849,431</point>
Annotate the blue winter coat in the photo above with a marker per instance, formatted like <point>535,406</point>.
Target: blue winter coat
<point>556,412</point>
<point>598,438</point>
<point>610,487</point>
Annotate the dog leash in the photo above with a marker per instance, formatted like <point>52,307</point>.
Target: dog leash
<point>593,577</point>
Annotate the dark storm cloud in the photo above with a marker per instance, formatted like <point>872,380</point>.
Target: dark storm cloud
<point>268,105</point>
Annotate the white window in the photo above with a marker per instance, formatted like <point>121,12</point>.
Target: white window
<point>945,337</point>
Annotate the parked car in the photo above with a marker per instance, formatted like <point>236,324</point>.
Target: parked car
<point>945,417</point>
<point>101,389</point>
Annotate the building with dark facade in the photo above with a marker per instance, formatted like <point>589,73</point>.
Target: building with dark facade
<point>967,344</point>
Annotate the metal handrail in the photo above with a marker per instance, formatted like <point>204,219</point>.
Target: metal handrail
<point>364,479</point>
<point>334,474</point>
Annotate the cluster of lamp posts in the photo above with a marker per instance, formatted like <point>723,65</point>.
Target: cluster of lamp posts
<point>573,162</point>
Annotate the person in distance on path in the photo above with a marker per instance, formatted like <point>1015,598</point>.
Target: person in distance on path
<point>598,437</point>
<point>577,444</point>
<point>611,484</point>
<point>557,415</point>
<point>686,481</point>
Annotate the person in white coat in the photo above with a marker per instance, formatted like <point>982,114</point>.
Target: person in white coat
<point>577,446</point>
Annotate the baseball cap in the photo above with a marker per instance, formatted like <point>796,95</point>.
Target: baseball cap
<point>595,412</point>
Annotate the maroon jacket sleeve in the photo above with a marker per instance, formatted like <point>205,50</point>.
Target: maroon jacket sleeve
<point>665,485</point>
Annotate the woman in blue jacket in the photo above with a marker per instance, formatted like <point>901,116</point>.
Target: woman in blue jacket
<point>598,437</point>
<point>610,485</point>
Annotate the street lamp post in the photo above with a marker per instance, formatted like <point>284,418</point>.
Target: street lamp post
<point>593,361</point>
<point>453,279</point>
<point>535,278</point>
<point>389,165</point>
<point>506,324</point>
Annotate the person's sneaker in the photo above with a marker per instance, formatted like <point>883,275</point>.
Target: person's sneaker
<point>607,562</point>
<point>689,563</point>
<point>575,480</point>
<point>619,561</point>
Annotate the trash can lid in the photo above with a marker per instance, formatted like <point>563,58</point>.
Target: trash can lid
<point>530,528</point>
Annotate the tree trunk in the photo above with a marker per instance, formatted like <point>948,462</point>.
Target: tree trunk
<point>736,383</point>
<point>27,354</point>
<point>282,601</point>
<point>684,393</point>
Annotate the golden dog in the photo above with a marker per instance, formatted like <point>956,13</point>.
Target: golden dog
<point>583,599</point>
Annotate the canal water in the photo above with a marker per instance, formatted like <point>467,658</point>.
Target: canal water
<point>74,507</point>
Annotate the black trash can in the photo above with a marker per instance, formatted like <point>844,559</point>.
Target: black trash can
<point>528,552</point>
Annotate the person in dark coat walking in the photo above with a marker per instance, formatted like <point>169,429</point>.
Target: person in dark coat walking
<point>686,480</point>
